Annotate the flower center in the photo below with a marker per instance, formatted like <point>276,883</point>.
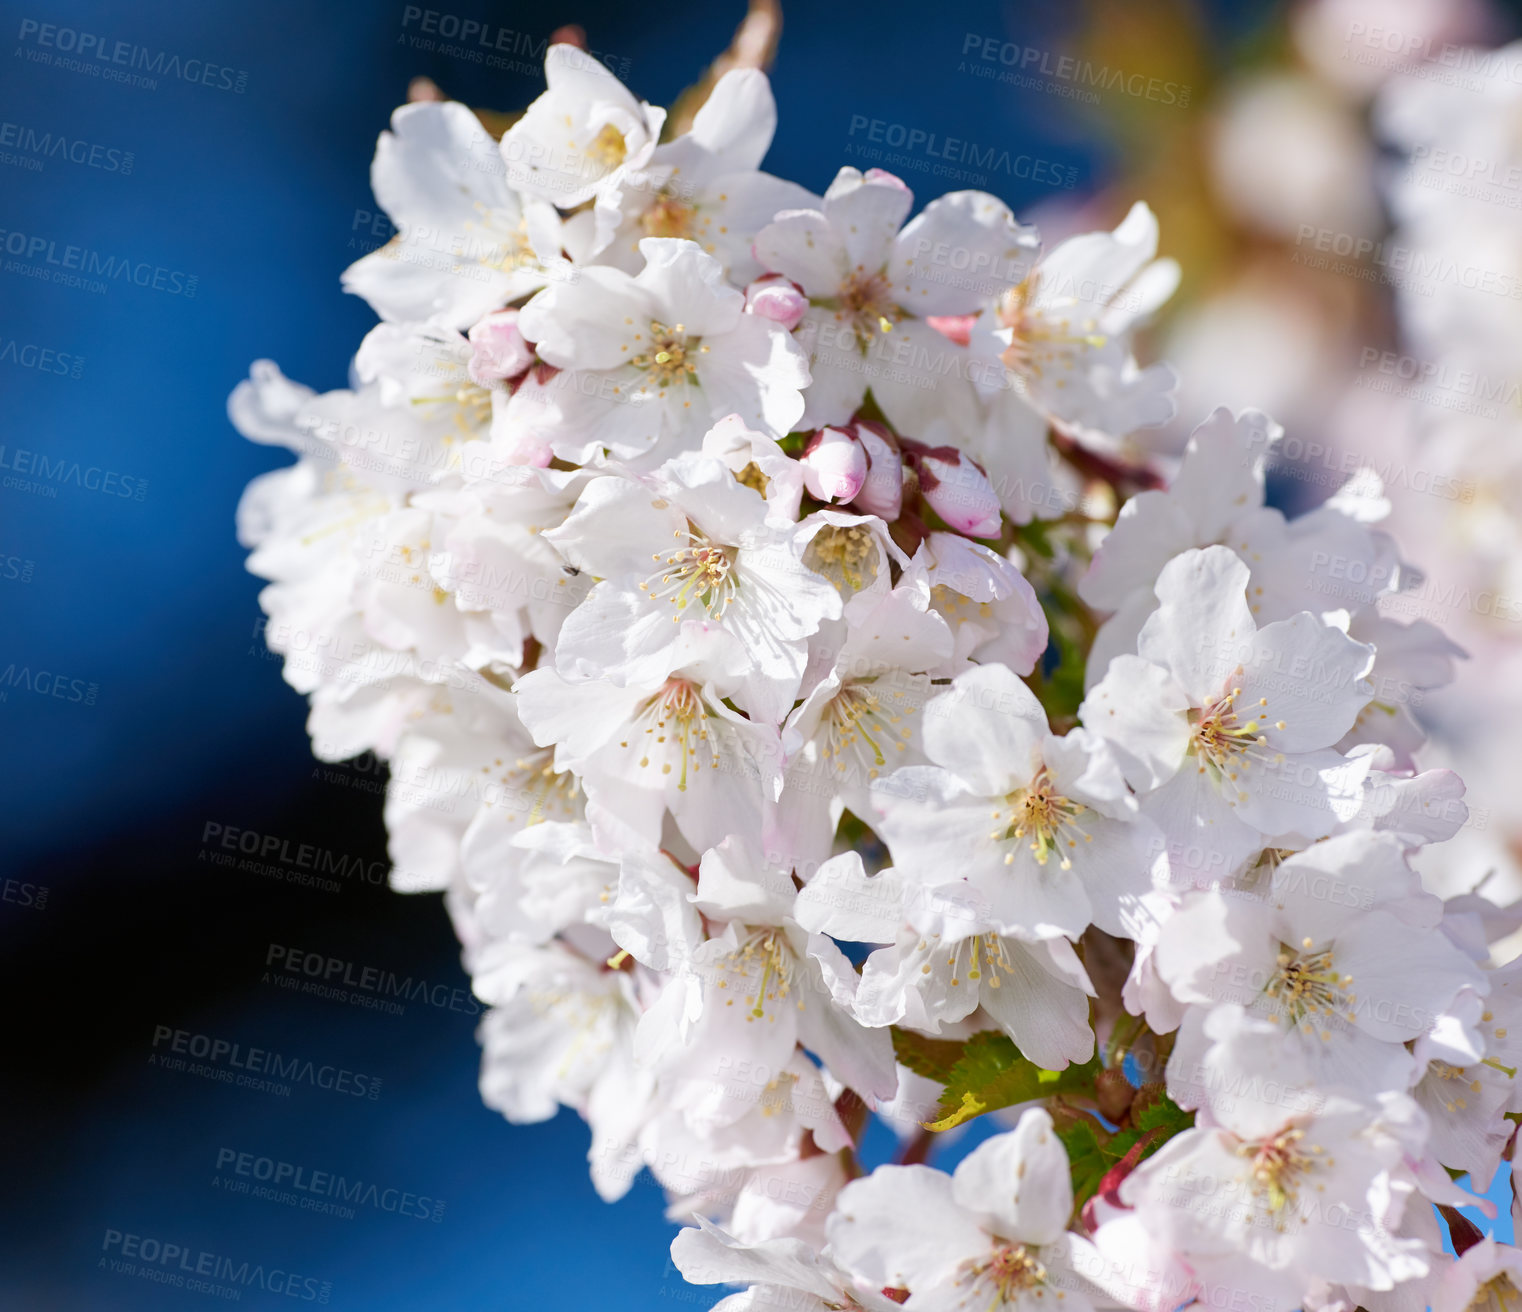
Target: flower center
<point>471,407</point>
<point>752,477</point>
<point>1278,1167</point>
<point>1224,743</point>
<point>858,727</point>
<point>670,357</point>
<point>702,571</point>
<point>533,779</point>
<point>865,301</point>
<point>1306,984</point>
<point>1030,330</point>
<point>765,961</point>
<point>846,554</point>
<point>985,952</point>
<point>1012,1269</point>
<point>1453,1100</point>
<point>675,723</point>
<point>668,217</point>
<point>503,246</point>
<point>608,147</point>
<point>1498,1294</point>
<point>1043,815</point>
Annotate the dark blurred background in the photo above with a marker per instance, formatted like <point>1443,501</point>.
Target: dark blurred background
<point>163,725</point>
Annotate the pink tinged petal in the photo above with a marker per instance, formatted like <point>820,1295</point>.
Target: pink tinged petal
<point>1020,1180</point>
<point>499,351</point>
<point>1139,708</point>
<point>834,465</point>
<point>955,328</point>
<point>959,492</point>
<point>902,1228</point>
<point>987,730</point>
<point>774,297</point>
<point>1202,630</point>
<point>1303,683</point>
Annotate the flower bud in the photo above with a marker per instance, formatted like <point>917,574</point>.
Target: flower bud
<point>956,489</point>
<point>955,328</point>
<point>774,297</point>
<point>834,465</point>
<point>499,349</point>
<point>883,492</point>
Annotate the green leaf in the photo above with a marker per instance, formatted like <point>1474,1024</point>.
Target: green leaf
<point>1087,1162</point>
<point>1163,1114</point>
<point>1093,1150</point>
<point>991,1074</point>
<point>932,1058</point>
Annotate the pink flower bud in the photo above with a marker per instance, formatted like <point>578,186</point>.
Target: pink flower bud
<point>774,297</point>
<point>834,465</point>
<point>882,494</point>
<point>499,349</point>
<point>957,490</point>
<point>953,327</point>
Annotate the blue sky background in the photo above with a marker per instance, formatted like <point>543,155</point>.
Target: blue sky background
<point>260,197</point>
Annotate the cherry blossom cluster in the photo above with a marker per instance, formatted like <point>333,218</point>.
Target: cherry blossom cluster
<point>733,580</point>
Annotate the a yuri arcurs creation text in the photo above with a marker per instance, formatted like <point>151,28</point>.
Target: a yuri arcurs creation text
<point>818,698</point>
